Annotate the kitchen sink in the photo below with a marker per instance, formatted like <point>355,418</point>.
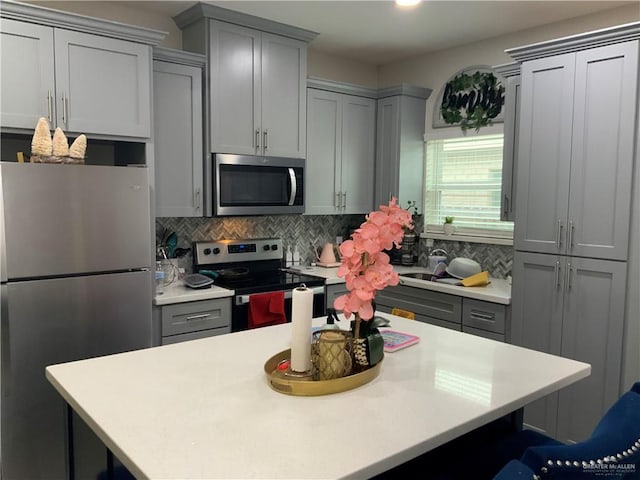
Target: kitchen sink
<point>418,275</point>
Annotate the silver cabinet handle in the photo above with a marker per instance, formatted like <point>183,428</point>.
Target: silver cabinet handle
<point>557,272</point>
<point>257,140</point>
<point>570,236</point>
<point>487,317</point>
<point>344,200</point>
<point>337,203</point>
<point>559,234</point>
<point>198,317</point>
<point>49,106</point>
<point>294,186</point>
<point>568,276</point>
<point>65,113</point>
<point>196,199</point>
<point>264,140</point>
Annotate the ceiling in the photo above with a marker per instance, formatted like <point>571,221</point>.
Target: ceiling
<point>378,32</point>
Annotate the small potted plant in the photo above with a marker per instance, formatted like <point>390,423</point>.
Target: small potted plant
<point>448,225</point>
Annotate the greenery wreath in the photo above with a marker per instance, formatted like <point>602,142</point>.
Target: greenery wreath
<point>472,100</point>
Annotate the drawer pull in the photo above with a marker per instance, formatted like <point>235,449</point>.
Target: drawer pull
<point>483,316</point>
<point>198,317</point>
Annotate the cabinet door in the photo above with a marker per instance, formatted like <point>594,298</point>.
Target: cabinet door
<point>544,153</point>
<point>27,74</point>
<point>177,92</point>
<point>602,151</point>
<point>592,332</point>
<point>324,143</point>
<point>283,108</point>
<point>536,322</point>
<point>102,85</point>
<point>387,150</point>
<point>358,154</point>
<point>510,148</point>
<point>234,63</point>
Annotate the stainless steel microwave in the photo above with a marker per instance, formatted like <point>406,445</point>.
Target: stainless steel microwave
<point>255,185</point>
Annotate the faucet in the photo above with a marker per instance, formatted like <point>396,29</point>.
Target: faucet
<point>439,250</point>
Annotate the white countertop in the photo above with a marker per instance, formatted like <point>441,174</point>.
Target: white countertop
<point>204,409</point>
<point>178,292</point>
<point>498,291</point>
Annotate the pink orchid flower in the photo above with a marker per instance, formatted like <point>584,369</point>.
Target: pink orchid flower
<point>365,266</point>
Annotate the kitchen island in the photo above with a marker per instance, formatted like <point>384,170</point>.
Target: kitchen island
<point>204,409</point>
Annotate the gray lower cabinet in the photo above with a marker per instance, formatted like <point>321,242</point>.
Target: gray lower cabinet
<point>341,132</point>
<point>178,133</point>
<point>486,319</point>
<point>477,317</point>
<point>436,308</point>
<point>573,307</point>
<point>334,291</point>
<point>191,320</point>
<point>80,82</point>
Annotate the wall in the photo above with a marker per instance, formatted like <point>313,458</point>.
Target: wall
<point>119,13</point>
<point>433,70</point>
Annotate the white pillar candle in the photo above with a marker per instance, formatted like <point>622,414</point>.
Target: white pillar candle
<point>301,313</point>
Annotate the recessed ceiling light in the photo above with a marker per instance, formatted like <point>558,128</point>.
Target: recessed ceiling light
<point>407,3</point>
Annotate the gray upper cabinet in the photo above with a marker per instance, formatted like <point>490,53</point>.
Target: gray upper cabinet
<point>257,80</point>
<point>400,144</point>
<point>575,155</point>
<point>258,103</point>
<point>511,74</point>
<point>581,317</point>
<point>26,48</point>
<point>340,153</point>
<point>85,75</point>
<point>178,133</point>
<point>102,85</point>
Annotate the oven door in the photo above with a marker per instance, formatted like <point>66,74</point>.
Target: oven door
<point>240,311</point>
<point>251,185</point>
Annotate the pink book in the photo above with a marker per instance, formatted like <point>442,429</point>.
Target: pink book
<point>394,340</point>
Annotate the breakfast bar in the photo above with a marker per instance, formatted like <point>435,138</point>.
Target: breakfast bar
<point>204,409</point>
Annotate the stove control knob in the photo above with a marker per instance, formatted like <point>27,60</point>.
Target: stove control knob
<point>207,251</point>
<point>216,251</point>
<point>266,247</point>
<point>274,247</point>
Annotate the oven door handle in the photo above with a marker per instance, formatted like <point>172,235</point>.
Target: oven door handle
<point>244,299</point>
<point>294,186</point>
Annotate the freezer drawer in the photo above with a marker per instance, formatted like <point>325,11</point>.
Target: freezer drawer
<point>73,219</point>
<point>53,321</point>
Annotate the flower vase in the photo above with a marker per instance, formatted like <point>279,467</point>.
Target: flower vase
<point>448,228</point>
<point>368,345</point>
<point>359,350</point>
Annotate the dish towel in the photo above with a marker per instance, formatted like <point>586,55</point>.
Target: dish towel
<point>266,309</point>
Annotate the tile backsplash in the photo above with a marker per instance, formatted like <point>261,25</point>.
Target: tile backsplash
<point>295,230</point>
<point>305,230</point>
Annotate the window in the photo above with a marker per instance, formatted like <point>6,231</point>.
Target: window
<point>464,180</point>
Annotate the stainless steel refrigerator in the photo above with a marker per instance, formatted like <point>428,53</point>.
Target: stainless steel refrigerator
<point>75,265</point>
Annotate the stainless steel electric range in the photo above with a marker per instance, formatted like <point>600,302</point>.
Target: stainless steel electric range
<point>252,266</point>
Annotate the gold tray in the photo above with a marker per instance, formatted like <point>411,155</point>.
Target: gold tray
<point>292,384</point>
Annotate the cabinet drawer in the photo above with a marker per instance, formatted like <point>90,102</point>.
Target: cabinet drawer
<point>195,316</point>
<point>484,315</point>
<point>423,303</point>
<point>483,333</point>
<point>185,337</point>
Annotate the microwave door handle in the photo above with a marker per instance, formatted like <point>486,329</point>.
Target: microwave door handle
<point>294,186</point>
